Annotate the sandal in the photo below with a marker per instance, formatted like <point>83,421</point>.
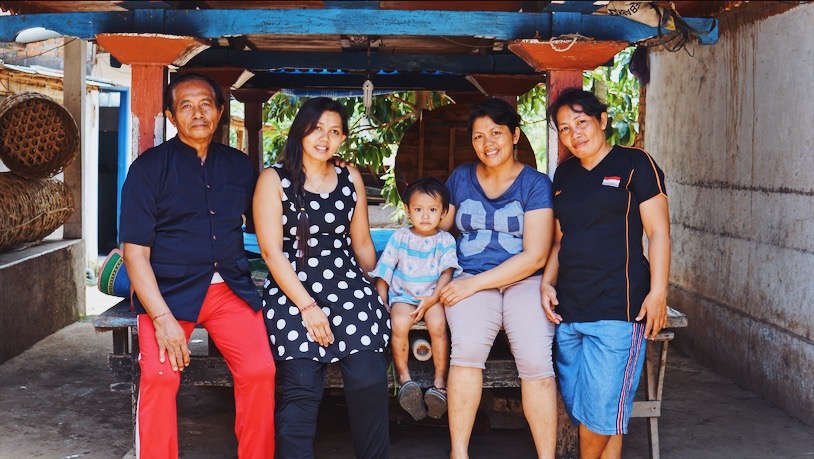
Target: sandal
<point>436,400</point>
<point>410,399</point>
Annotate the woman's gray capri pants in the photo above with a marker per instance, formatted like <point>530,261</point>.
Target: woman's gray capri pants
<point>475,321</point>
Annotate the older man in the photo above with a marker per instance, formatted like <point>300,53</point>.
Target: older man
<point>182,208</point>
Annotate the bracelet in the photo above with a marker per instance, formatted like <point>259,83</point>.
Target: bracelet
<point>312,304</point>
<point>161,315</point>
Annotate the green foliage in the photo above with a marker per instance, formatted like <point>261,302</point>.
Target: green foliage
<point>532,109</point>
<point>619,88</point>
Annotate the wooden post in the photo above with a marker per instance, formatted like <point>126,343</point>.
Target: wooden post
<point>253,102</point>
<point>556,82</point>
<point>74,101</point>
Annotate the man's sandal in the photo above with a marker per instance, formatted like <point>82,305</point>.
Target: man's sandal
<point>410,399</point>
<point>436,400</point>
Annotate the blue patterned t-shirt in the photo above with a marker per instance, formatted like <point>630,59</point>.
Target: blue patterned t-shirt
<point>491,230</point>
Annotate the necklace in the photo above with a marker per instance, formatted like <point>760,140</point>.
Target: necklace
<point>318,188</point>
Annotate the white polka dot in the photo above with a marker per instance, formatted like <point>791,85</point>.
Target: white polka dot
<point>314,205</point>
<point>354,351</point>
<point>293,231</point>
<point>340,229</point>
<point>337,321</point>
<point>354,196</point>
<point>359,294</point>
<point>280,324</point>
<point>333,298</point>
<point>327,311</point>
<point>368,291</point>
<point>328,274</point>
<point>281,351</point>
<point>312,242</point>
<point>293,310</point>
<point>273,339</point>
<point>362,316</point>
<point>289,358</point>
<point>348,306</point>
<point>342,346</point>
<point>337,244</point>
<point>329,217</point>
<point>375,328</point>
<point>270,314</point>
<point>273,291</point>
<point>346,191</point>
<point>304,347</point>
<point>293,335</point>
<point>310,339</point>
<point>365,340</point>
<point>266,283</point>
<point>321,351</point>
<point>342,285</point>
<point>338,262</point>
<point>313,229</point>
<point>340,205</point>
<point>350,329</point>
<point>285,183</point>
<point>313,262</point>
<point>302,276</point>
<point>264,303</point>
<point>325,253</point>
<point>351,274</point>
<point>317,287</point>
<point>285,219</point>
<point>379,313</point>
<point>335,359</point>
<point>281,300</point>
<point>324,195</point>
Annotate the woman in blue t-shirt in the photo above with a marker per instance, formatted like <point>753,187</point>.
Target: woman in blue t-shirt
<point>502,210</point>
<point>608,296</point>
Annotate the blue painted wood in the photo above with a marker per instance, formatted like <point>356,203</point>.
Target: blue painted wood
<point>336,80</point>
<point>358,61</point>
<point>222,23</point>
<point>586,7</point>
<point>564,23</point>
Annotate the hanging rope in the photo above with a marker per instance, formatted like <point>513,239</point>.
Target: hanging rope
<point>572,37</point>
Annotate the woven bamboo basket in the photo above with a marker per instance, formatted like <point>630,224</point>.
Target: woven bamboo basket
<point>31,209</point>
<point>38,137</point>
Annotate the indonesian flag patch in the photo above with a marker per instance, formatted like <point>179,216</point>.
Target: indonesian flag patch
<point>611,181</point>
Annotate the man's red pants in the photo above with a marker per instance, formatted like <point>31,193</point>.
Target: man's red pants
<point>240,334</point>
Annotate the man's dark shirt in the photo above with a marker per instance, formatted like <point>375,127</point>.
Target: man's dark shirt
<point>189,214</point>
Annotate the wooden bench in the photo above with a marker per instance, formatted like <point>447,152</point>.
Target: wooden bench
<point>211,369</point>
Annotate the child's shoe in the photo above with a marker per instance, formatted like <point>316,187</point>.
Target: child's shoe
<point>410,399</point>
<point>436,401</point>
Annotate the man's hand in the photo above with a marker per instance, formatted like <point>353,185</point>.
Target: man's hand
<point>172,339</point>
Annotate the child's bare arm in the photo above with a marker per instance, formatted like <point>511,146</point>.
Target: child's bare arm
<point>431,300</point>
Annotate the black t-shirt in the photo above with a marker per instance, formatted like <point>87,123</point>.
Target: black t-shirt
<point>603,273</point>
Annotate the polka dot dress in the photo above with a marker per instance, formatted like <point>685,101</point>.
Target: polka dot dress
<point>359,320</point>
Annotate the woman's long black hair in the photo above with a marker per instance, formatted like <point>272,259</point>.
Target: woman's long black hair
<point>304,123</point>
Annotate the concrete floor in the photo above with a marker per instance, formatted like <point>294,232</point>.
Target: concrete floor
<point>55,402</point>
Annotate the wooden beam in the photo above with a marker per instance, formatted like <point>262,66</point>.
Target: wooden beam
<point>337,21</point>
<point>458,64</point>
<point>74,102</point>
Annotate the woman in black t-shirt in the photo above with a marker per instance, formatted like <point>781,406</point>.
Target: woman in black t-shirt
<point>609,297</point>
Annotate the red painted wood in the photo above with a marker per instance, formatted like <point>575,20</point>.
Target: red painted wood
<point>148,91</point>
<point>556,82</point>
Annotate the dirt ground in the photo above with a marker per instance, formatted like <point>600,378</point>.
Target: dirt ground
<point>55,403</point>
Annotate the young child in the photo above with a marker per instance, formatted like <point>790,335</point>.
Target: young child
<point>416,263</point>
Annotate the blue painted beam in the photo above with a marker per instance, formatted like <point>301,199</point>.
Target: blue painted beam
<point>358,61</point>
<point>225,23</point>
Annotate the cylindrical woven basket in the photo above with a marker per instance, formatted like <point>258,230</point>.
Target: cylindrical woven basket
<point>31,209</point>
<point>38,137</point>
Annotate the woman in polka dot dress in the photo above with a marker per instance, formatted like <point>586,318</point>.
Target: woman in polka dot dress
<point>319,306</point>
